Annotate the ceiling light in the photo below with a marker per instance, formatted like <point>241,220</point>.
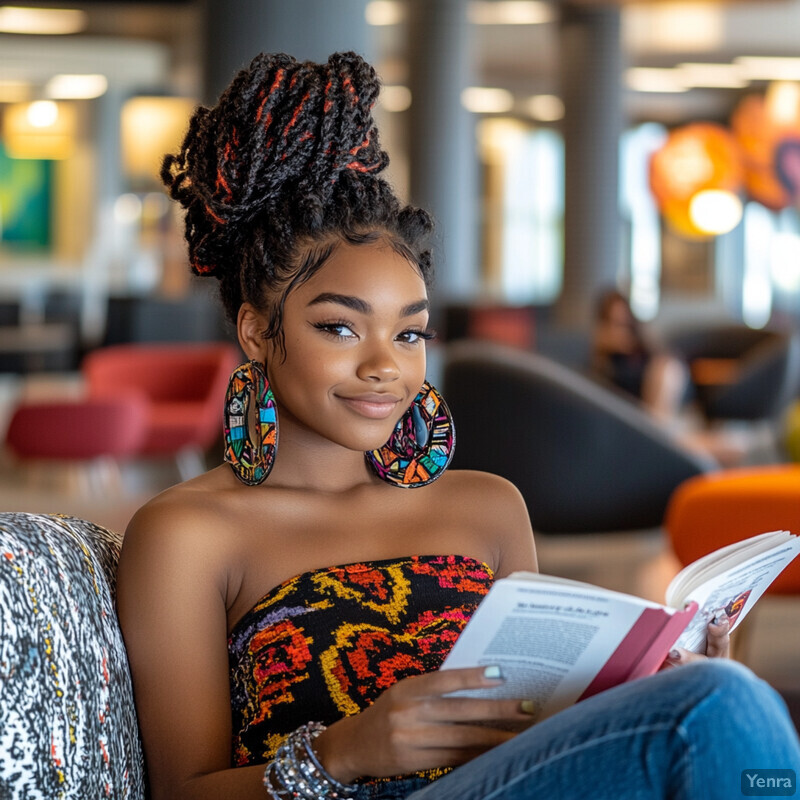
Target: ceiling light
<point>715,211</point>
<point>16,19</point>
<point>769,68</point>
<point>42,113</point>
<point>151,127</point>
<point>509,12</point>
<point>155,206</point>
<point>384,12</point>
<point>686,27</point>
<point>395,98</point>
<point>686,76</point>
<point>783,102</point>
<point>75,87</point>
<point>40,130</point>
<point>483,100</point>
<point>716,76</point>
<point>14,91</point>
<point>647,79</point>
<point>127,209</point>
<point>545,107</point>
<point>499,137</point>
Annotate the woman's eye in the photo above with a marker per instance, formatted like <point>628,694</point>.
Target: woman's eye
<point>414,337</point>
<point>338,329</point>
<point>341,330</point>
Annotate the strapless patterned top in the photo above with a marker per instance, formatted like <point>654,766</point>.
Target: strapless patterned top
<point>327,643</point>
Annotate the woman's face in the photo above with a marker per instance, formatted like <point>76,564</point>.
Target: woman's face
<point>354,356</point>
<point>620,327</point>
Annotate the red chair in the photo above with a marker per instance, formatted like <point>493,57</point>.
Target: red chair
<point>77,431</point>
<point>96,432</point>
<point>184,386</point>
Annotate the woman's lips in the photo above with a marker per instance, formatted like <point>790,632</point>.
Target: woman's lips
<point>373,405</point>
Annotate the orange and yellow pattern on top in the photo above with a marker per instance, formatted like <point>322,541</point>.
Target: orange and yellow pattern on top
<point>325,644</point>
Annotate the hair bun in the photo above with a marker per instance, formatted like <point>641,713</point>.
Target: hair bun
<point>282,130</point>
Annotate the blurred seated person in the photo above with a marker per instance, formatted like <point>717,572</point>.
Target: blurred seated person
<point>622,355</point>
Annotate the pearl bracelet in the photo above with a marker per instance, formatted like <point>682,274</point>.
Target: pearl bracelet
<point>296,771</point>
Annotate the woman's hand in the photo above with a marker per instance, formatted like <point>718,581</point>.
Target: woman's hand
<point>413,726</point>
<point>718,645</point>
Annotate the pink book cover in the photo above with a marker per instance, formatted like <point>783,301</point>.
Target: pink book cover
<point>643,650</point>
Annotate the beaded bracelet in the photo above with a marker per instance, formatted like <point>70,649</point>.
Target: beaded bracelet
<point>296,771</point>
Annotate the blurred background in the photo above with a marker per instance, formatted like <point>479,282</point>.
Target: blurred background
<point>617,188</point>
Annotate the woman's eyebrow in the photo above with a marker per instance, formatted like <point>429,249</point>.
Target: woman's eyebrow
<point>415,308</point>
<point>363,307</point>
<point>346,300</point>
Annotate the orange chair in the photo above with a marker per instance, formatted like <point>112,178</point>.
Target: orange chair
<point>184,386</point>
<point>709,511</point>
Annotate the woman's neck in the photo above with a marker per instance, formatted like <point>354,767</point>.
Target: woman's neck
<point>305,460</point>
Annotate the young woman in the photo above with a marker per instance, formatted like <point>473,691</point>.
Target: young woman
<point>320,577</point>
<point>622,355</point>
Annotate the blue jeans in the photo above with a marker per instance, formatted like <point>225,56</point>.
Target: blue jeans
<point>684,733</point>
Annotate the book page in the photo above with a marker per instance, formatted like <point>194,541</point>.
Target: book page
<point>715,563</point>
<point>735,591</point>
<point>550,639</point>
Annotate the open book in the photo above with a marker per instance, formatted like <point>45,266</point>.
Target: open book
<point>559,641</point>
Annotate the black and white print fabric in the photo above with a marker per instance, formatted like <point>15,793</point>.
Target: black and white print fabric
<point>67,719</point>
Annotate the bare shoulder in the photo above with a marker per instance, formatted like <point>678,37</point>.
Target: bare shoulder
<point>179,532</point>
<point>469,480</point>
<point>489,494</point>
<point>172,582</point>
<point>182,510</point>
<point>494,506</point>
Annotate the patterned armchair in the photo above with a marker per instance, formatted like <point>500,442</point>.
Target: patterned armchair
<point>67,719</point>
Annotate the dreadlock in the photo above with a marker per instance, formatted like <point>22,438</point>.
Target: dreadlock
<point>283,168</point>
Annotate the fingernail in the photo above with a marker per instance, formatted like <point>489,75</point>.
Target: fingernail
<point>674,655</point>
<point>493,673</point>
<point>527,707</point>
<point>720,619</point>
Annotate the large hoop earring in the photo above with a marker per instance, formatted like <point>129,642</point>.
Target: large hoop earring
<point>251,461</point>
<point>421,446</point>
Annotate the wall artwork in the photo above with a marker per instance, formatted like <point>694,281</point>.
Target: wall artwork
<point>25,193</point>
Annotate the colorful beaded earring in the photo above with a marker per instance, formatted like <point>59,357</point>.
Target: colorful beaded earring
<point>250,460</point>
<point>421,446</point>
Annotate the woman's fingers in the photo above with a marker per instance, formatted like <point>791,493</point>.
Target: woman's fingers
<point>446,681</point>
<point>718,644</point>
<point>418,724</point>
<point>429,698</point>
<point>680,655</point>
<point>454,737</point>
<point>472,709</point>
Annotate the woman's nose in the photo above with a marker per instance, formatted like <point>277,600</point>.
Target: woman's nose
<point>378,364</point>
